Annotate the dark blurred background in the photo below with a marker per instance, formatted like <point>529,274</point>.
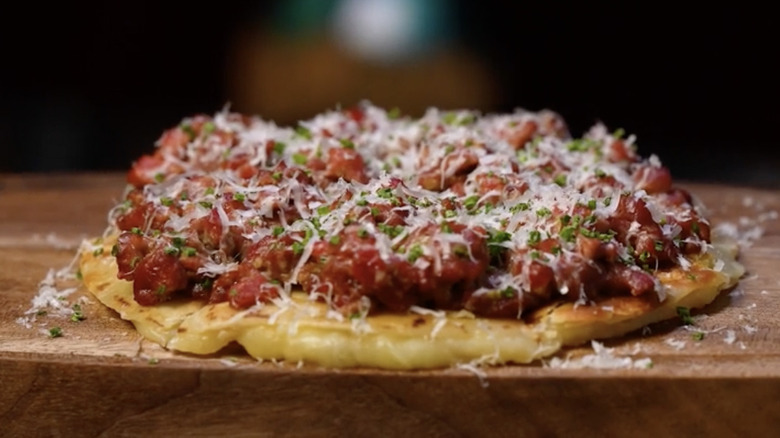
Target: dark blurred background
<point>92,86</point>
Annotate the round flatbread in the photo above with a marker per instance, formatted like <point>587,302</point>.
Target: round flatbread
<point>361,238</point>
<point>305,330</point>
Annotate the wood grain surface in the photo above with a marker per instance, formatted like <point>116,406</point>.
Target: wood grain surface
<point>101,379</point>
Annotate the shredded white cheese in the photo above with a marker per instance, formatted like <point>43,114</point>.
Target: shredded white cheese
<point>602,358</point>
<point>537,183</point>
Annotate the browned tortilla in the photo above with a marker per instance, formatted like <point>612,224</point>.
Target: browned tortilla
<point>303,330</point>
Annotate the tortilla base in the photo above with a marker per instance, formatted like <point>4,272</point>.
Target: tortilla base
<point>302,330</point>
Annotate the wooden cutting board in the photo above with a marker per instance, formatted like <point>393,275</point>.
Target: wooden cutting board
<point>100,379</point>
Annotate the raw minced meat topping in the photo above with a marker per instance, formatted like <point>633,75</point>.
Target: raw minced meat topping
<point>365,209</point>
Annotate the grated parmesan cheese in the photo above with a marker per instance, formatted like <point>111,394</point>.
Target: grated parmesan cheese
<point>674,343</point>
<point>602,358</point>
<point>245,180</point>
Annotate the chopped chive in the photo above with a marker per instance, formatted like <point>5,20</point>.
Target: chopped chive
<point>449,118</point>
<point>304,132</point>
<point>582,145</point>
<point>392,231</point>
<point>77,314</point>
<point>685,314</point>
<point>461,251</point>
<point>187,128</point>
<point>544,211</point>
<point>534,237</point>
<point>55,332</point>
<point>385,193</point>
<point>415,252</point>
<point>300,159</point>
<point>206,283</point>
<point>471,202</point>
<point>567,233</point>
<point>467,120</point>
<point>307,233</point>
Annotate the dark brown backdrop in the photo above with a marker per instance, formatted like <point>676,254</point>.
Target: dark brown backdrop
<point>90,87</point>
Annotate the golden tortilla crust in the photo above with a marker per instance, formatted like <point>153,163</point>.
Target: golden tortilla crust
<point>301,330</point>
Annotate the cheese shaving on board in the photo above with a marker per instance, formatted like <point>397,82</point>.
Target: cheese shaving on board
<point>602,358</point>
